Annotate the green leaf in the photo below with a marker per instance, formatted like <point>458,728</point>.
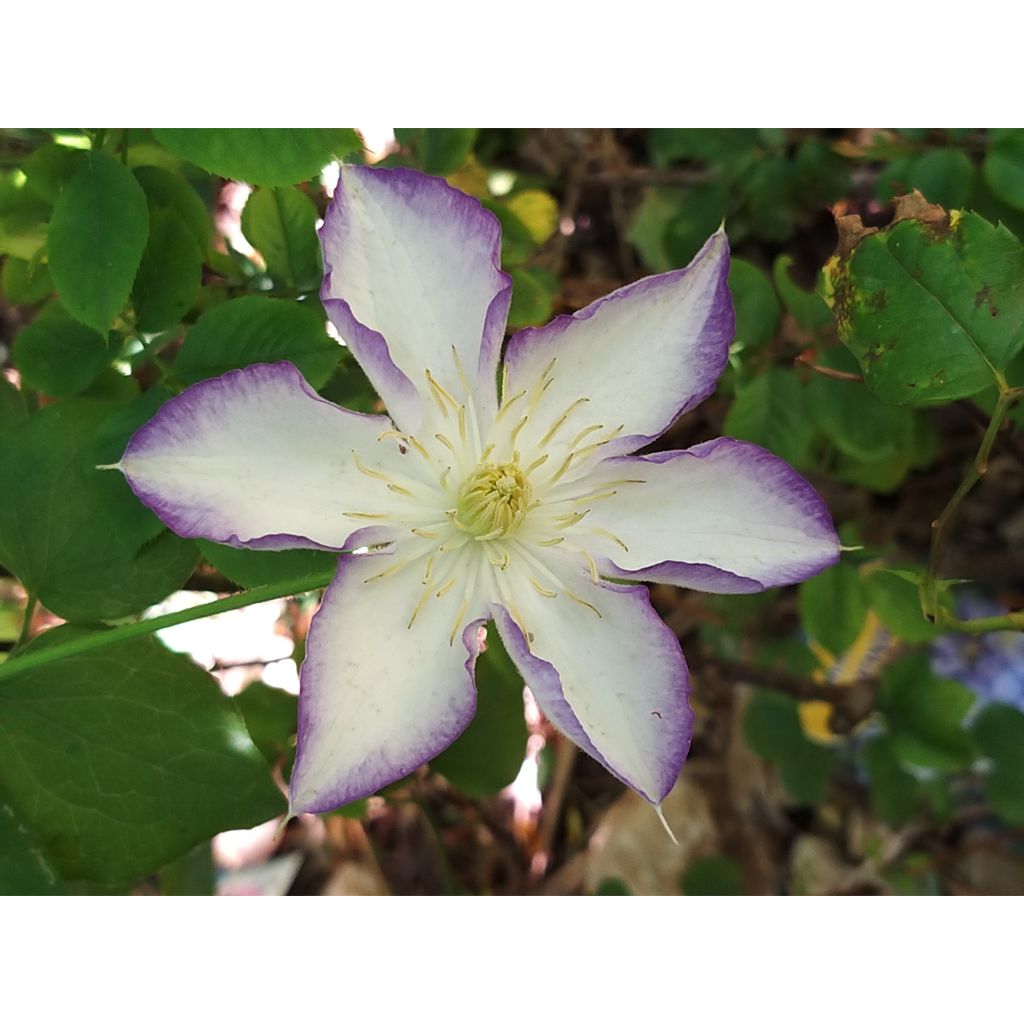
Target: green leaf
<point>168,279</point>
<point>281,224</point>
<point>926,715</point>
<point>697,215</point>
<point>438,151</point>
<point>23,218</point>
<point>713,876</point>
<point>1004,166</point>
<point>270,716</point>
<point>932,310</point>
<point>833,606</point>
<point>612,887</point>
<point>76,536</point>
<point>24,282</point>
<point>852,418</point>
<point>254,568</point>
<point>97,237</point>
<point>124,759</point>
<point>808,309</point>
<point>771,724</point>
<point>59,356</point>
<point>532,298</point>
<point>943,176</point>
<point>13,409</point>
<point>256,329</point>
<point>894,597</point>
<point>488,755</point>
<point>50,168</point>
<point>170,192</point>
<point>895,794</point>
<point>757,305</point>
<point>24,870</point>
<point>517,242</point>
<point>260,156</point>
<point>771,411</point>
<point>733,147</point>
<point>999,731</point>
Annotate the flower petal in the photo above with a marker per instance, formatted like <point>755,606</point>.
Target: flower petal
<point>642,355</point>
<point>413,270</point>
<point>724,516</point>
<point>378,698</point>
<point>617,687</point>
<point>257,459</point>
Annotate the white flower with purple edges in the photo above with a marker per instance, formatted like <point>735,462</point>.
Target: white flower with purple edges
<point>523,507</point>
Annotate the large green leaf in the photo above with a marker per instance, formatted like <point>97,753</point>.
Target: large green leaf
<point>256,329</point>
<point>76,536</point>
<point>170,272</point>
<point>260,156</point>
<point>832,607</point>
<point>925,715</point>
<point>852,418</point>
<point>771,724</point>
<point>254,568</point>
<point>438,150</point>
<point>488,755</point>
<point>1004,166</point>
<point>771,411</point>
<point>895,793</point>
<point>59,356</point>
<point>168,191</point>
<point>24,870</point>
<point>23,281</point>
<point>999,731</point>
<point>757,305</point>
<point>97,236</point>
<point>932,308</point>
<point>281,223</point>
<point>123,759</point>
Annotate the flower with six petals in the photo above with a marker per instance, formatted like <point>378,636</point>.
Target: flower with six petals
<point>523,506</point>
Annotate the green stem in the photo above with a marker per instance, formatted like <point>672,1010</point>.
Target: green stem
<point>991,624</point>
<point>940,527</point>
<point>95,641</point>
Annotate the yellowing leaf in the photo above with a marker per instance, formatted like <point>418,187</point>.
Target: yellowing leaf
<point>538,211</point>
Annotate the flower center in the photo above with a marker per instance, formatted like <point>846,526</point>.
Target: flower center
<point>493,500</point>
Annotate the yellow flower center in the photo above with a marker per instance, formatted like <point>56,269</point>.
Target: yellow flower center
<point>493,500</point>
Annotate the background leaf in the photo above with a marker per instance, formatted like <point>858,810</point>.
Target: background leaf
<point>97,237</point>
<point>123,759</point>
<point>261,156</point>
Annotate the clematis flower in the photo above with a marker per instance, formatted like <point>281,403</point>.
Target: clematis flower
<point>523,507</point>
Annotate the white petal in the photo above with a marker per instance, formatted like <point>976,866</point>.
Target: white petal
<point>413,271</point>
<point>256,458</point>
<point>616,685</point>
<point>379,698</point>
<point>724,516</point>
<point>641,356</point>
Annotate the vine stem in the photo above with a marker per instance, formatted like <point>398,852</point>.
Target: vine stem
<point>940,528</point>
<point>95,641</point>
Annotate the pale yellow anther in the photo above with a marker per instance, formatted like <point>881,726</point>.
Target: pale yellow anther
<point>611,536</point>
<point>446,588</point>
<point>459,370</point>
<point>561,419</point>
<point>458,622</point>
<point>419,607</point>
<point>543,591</point>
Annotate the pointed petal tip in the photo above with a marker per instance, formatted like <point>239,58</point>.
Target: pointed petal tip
<point>661,817</point>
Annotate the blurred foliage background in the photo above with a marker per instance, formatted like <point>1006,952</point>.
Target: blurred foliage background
<point>844,744</point>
